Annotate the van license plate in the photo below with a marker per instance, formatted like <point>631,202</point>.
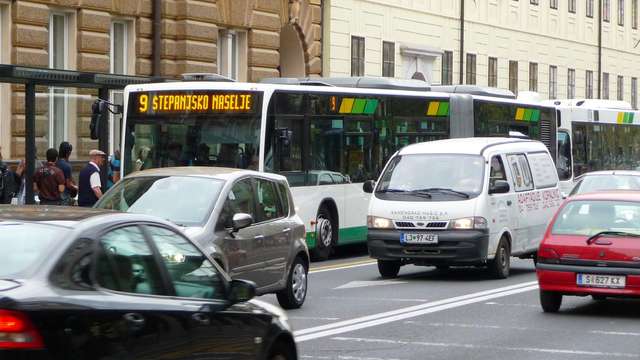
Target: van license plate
<point>418,238</point>
<point>601,281</point>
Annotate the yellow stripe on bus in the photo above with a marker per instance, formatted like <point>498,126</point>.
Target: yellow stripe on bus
<point>620,118</point>
<point>346,106</point>
<point>433,108</point>
<point>520,114</point>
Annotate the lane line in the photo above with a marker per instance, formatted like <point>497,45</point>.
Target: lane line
<point>413,308</point>
<point>344,357</point>
<point>402,316</point>
<point>617,333</point>
<point>489,347</point>
<point>313,318</point>
<point>343,298</point>
<point>342,266</point>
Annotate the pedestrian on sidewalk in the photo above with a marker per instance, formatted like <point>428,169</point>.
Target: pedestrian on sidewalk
<point>70,188</point>
<point>90,186</point>
<point>49,181</point>
<point>9,183</point>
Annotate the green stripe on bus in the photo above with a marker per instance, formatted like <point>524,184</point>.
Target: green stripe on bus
<point>527,114</point>
<point>352,235</point>
<point>443,109</point>
<point>536,115</point>
<point>372,105</point>
<point>631,116</point>
<point>627,118</point>
<point>311,239</point>
<point>358,106</point>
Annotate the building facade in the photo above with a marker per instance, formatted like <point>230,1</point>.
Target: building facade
<point>548,46</point>
<point>246,40</point>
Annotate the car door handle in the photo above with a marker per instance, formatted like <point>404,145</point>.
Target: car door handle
<point>134,320</point>
<point>259,237</point>
<point>201,318</point>
<point>286,230</point>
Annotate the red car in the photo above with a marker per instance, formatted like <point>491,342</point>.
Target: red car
<point>591,247</point>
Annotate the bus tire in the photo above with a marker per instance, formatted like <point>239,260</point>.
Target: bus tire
<point>389,269</point>
<point>500,265</point>
<point>326,234</point>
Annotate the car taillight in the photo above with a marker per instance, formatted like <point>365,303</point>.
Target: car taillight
<point>548,255</point>
<point>17,331</point>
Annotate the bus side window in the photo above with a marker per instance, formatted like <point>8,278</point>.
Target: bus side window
<point>564,160</point>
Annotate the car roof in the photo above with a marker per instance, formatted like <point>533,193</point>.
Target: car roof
<point>471,146</point>
<point>612,172</point>
<point>221,173</point>
<point>68,216</point>
<point>613,195</point>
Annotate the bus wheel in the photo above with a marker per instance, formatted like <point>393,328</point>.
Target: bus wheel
<point>325,235</point>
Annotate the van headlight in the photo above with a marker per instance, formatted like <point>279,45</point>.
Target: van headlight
<point>469,223</point>
<point>374,222</point>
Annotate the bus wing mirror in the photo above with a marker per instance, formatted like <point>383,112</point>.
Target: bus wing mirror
<point>98,118</point>
<point>368,186</point>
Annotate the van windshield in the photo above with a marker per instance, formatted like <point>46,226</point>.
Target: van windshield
<point>432,177</point>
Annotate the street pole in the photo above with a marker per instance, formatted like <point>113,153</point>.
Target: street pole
<point>461,42</point>
<point>30,140</point>
<point>599,49</point>
<point>103,138</point>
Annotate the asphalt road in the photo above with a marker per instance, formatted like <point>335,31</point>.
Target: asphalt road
<point>352,314</point>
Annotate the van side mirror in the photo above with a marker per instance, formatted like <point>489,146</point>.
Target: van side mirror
<point>241,291</point>
<point>368,186</point>
<point>241,221</point>
<point>499,187</point>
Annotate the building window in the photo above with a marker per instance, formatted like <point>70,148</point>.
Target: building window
<point>513,76</point>
<point>388,59</point>
<point>493,72</point>
<point>571,83</point>
<point>553,4</point>
<point>634,14</point>
<point>620,90</point>
<point>471,69</point>
<point>634,92</point>
<point>447,68</point>
<point>590,8</point>
<point>119,59</point>
<point>357,56</point>
<point>553,82</point>
<point>572,6</point>
<point>621,12</point>
<point>534,2</point>
<point>232,54</point>
<point>606,10</point>
<point>588,92</point>
<point>58,55</point>
<point>605,86</point>
<point>533,76</point>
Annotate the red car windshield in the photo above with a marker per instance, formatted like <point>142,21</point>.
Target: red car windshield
<point>589,217</point>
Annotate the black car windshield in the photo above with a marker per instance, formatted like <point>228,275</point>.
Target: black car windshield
<point>23,246</point>
<point>432,177</point>
<point>184,200</point>
<point>591,217</point>
<point>593,183</point>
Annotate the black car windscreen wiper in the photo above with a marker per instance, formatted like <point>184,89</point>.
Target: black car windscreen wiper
<point>407,192</point>
<point>595,236</point>
<point>450,191</point>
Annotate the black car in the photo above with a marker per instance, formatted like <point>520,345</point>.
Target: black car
<point>94,284</point>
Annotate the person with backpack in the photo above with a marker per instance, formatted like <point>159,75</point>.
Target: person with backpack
<point>8,183</point>
<point>70,188</point>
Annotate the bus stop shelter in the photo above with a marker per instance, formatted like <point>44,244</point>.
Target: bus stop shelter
<point>31,77</point>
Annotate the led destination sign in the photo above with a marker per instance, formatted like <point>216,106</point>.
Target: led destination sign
<point>191,101</point>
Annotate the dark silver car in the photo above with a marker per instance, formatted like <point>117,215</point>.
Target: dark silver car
<point>606,180</point>
<point>245,220</point>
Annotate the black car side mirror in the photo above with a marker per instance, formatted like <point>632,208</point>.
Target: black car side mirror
<point>368,186</point>
<point>241,221</point>
<point>241,291</point>
<point>499,187</point>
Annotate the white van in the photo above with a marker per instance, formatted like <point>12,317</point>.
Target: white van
<point>471,201</point>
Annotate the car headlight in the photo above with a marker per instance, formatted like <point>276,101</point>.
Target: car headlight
<point>375,222</point>
<point>469,223</point>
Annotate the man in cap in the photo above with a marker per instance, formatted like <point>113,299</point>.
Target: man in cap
<point>89,189</point>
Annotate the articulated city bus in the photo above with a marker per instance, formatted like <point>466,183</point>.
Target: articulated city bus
<point>327,140</point>
<point>595,135</point>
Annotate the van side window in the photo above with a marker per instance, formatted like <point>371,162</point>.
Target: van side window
<point>497,170</point>
<point>522,179</point>
<point>543,170</point>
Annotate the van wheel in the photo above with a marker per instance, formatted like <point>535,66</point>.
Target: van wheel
<point>293,295</point>
<point>326,235</point>
<point>501,264</point>
<point>389,268</point>
<point>550,301</point>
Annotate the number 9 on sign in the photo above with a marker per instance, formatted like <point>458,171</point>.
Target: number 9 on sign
<point>143,103</point>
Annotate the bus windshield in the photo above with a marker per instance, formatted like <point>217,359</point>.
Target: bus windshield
<point>192,128</point>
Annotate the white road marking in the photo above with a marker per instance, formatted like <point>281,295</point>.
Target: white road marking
<point>516,305</point>
<point>341,267</point>
<point>410,312</point>
<point>342,357</point>
<point>369,283</point>
<point>618,333</point>
<point>373,299</point>
<point>489,347</point>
